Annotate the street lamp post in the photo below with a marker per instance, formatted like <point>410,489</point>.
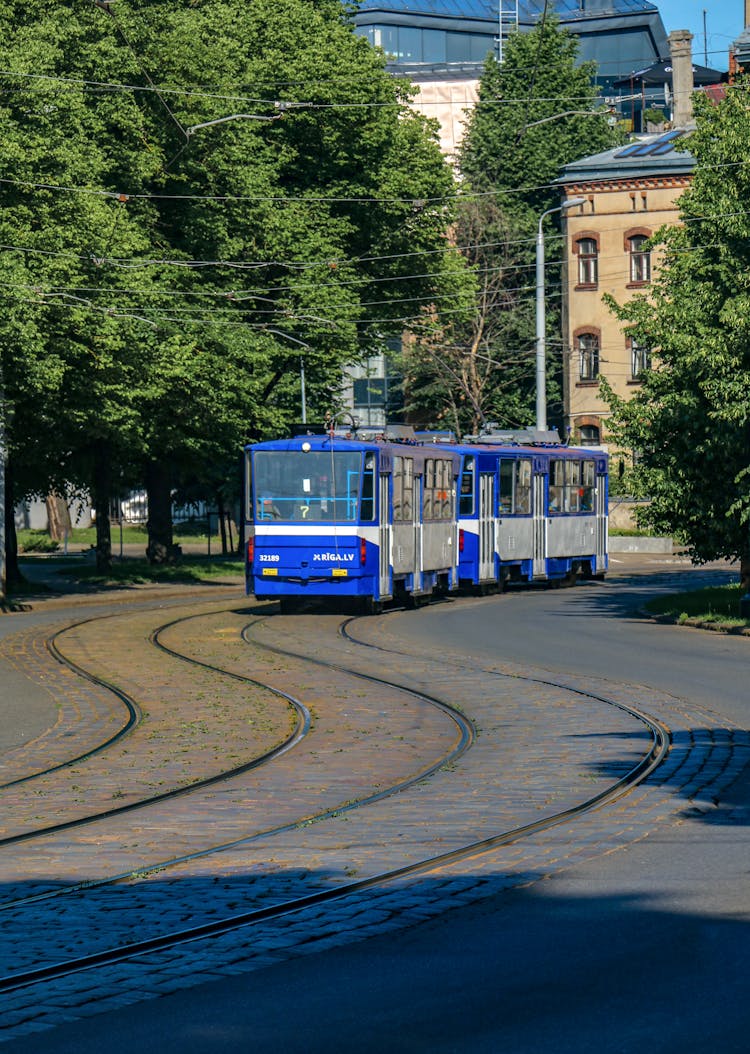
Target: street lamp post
<point>541,365</point>
<point>304,344</point>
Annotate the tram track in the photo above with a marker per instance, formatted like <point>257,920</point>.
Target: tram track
<point>132,710</point>
<point>464,740</point>
<point>301,729</point>
<point>278,911</point>
<point>650,760</point>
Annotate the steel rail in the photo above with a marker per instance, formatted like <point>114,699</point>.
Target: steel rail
<point>301,729</point>
<point>134,715</point>
<point>465,739</point>
<point>133,710</point>
<point>657,728</point>
<point>112,956</point>
<point>660,741</point>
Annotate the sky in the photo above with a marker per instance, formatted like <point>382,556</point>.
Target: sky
<point>724,22</point>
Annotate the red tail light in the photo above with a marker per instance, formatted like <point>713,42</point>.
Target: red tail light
<point>362,551</point>
<point>250,549</point>
<point>461,540</point>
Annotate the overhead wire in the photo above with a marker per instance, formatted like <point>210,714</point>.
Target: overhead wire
<point>204,92</point>
<point>236,294</point>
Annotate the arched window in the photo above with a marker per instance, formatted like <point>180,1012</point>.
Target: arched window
<point>588,356</point>
<point>640,259</point>
<point>586,248</point>
<point>590,435</point>
<point>640,359</point>
<point>588,261</point>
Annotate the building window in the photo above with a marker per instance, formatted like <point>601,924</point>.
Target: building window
<point>588,355</point>
<point>640,359</point>
<point>590,435</point>
<point>410,44</point>
<point>588,261</point>
<point>640,260</point>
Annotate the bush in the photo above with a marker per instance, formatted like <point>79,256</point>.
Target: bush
<point>652,116</point>
<point>36,541</point>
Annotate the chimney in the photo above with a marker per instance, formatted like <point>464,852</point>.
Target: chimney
<point>682,76</point>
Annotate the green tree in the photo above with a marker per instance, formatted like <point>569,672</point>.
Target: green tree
<point>176,254</point>
<point>468,370</point>
<point>70,366</point>
<point>536,112</point>
<point>689,423</point>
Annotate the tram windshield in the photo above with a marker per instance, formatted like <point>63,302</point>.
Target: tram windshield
<point>292,485</point>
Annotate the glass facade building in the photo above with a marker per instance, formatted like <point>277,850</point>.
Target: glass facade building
<point>427,35</point>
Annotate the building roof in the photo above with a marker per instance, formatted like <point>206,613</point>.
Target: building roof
<point>741,47</point>
<point>661,73</point>
<point>618,35</point>
<point>528,10</point>
<point>647,155</point>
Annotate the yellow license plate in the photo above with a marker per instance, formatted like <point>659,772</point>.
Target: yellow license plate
<point>339,572</point>
<point>270,572</point>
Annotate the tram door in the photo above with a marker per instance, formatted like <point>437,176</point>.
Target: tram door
<point>540,528</point>
<point>601,518</point>
<point>486,525</point>
<point>418,535</point>
<point>384,539</point>
<point>406,493</point>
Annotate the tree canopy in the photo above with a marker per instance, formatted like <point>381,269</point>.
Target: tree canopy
<point>689,423</point>
<point>195,194</point>
<point>536,112</point>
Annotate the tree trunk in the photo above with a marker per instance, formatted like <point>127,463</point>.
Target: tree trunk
<point>161,548</point>
<point>58,517</point>
<point>745,572</point>
<point>13,576</point>
<point>222,523</point>
<point>102,494</point>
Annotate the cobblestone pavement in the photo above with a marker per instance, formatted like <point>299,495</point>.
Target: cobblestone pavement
<point>363,739</point>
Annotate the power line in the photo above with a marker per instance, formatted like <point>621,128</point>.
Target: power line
<point>333,263</point>
<point>345,82</point>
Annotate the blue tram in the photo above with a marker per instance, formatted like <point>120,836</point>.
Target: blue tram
<point>530,512</point>
<point>330,517</point>
<point>369,519</point>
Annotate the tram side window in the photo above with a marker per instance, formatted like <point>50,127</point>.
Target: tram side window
<point>573,485</point>
<point>588,485</point>
<point>507,475</point>
<point>403,489</point>
<point>398,489</point>
<point>248,487</point>
<point>446,512</point>
<point>438,489</point>
<point>523,487</point>
<point>557,486</point>
<point>368,489</point>
<point>429,489</point>
<point>466,498</point>
<point>408,489</point>
<point>515,487</point>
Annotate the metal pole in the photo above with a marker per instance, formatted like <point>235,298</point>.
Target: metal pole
<point>302,388</point>
<point>705,40</point>
<point>541,351</point>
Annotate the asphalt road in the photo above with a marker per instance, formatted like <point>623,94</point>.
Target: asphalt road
<point>645,948</point>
